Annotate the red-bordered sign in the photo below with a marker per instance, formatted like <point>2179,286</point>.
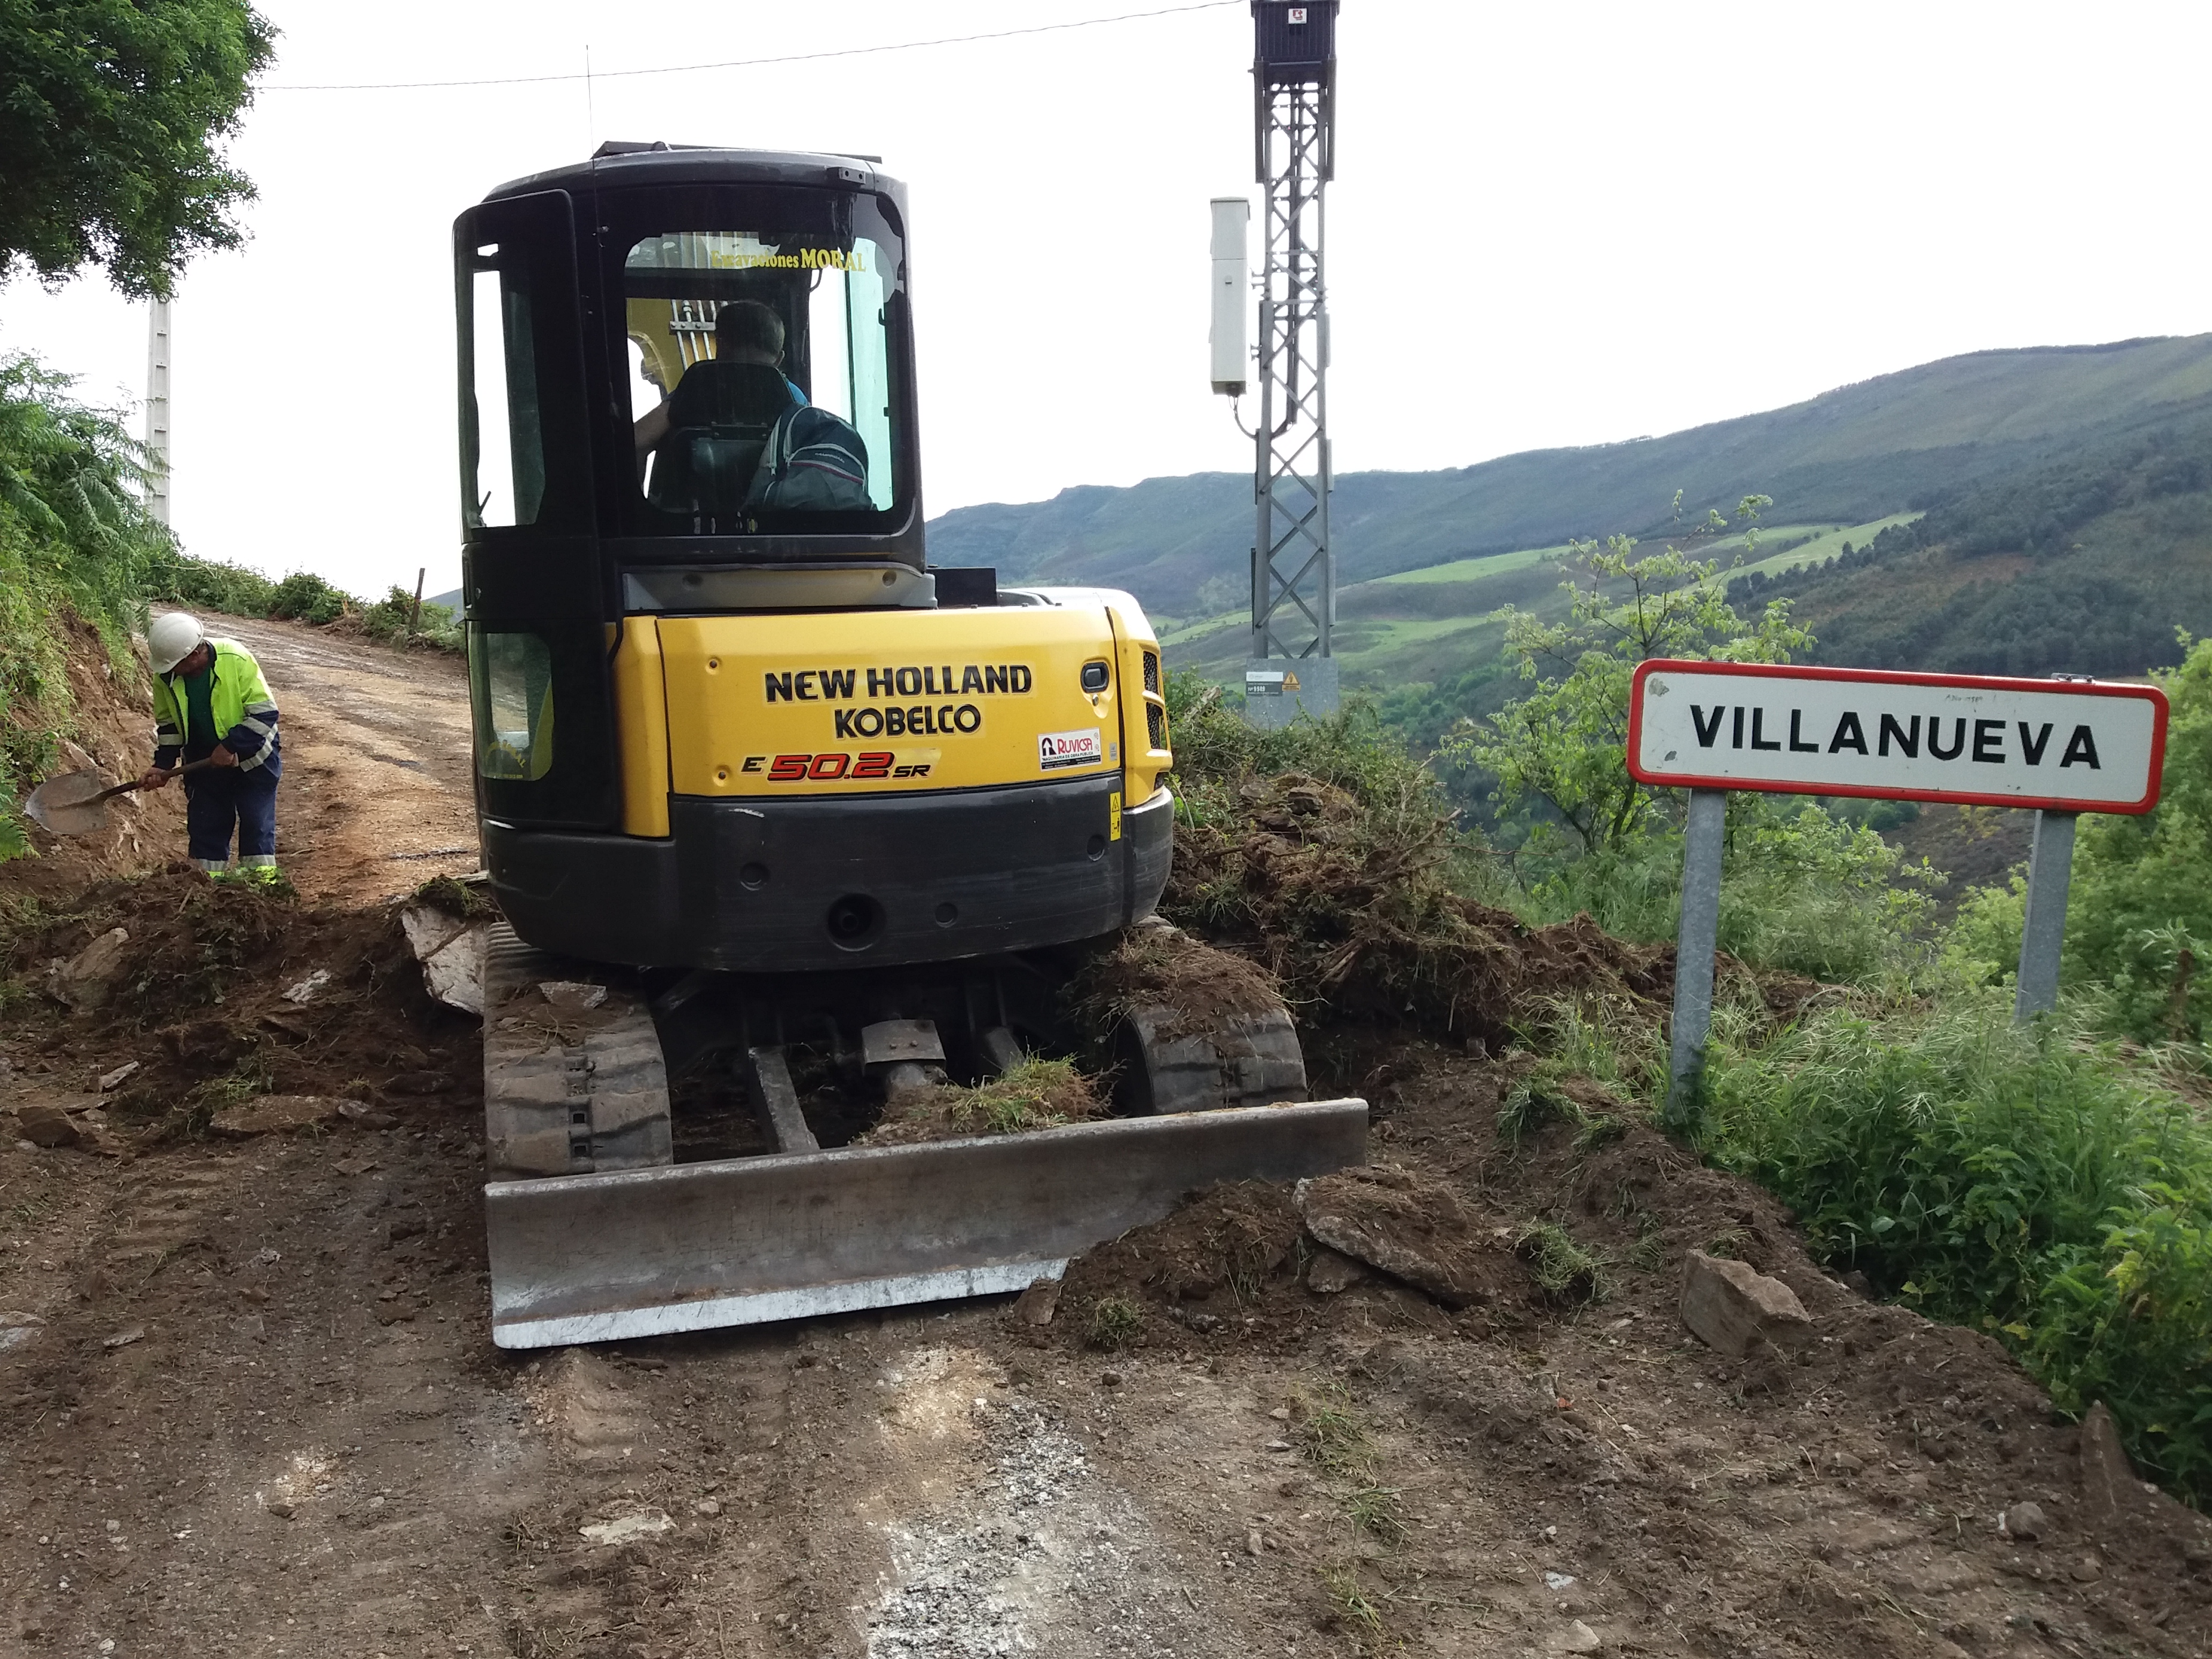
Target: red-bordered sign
<point>1983,740</point>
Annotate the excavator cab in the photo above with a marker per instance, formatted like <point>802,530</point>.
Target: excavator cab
<point>757,785</point>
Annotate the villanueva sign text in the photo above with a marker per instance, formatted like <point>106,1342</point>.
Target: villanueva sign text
<point>2060,747</point>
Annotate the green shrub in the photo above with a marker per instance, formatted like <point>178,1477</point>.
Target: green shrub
<point>2020,1181</point>
<point>1802,892</point>
<point>304,597</point>
<point>2139,918</point>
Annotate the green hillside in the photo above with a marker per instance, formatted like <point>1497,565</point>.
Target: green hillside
<point>2085,565</point>
<point>1847,458</point>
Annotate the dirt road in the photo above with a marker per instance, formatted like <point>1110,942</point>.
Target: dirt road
<point>250,1407</point>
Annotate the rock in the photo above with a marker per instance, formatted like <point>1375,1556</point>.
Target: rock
<point>1330,1272</point>
<point>628,1526</point>
<point>451,951</point>
<point>709,1507</point>
<point>85,981</point>
<point>124,1339</point>
<point>568,996</point>
<point>304,993</point>
<point>1734,1310</point>
<point>1577,1637</point>
<point>364,1116</point>
<point>1035,1306</point>
<point>45,1124</point>
<point>2110,1491</point>
<point>266,1115</point>
<point>116,1078</point>
<point>279,1509</point>
<point>2025,1521</point>
<point>16,1329</point>
<point>2089,1569</point>
<point>1408,1227</point>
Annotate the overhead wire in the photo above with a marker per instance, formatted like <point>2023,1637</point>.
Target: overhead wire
<point>746,63</point>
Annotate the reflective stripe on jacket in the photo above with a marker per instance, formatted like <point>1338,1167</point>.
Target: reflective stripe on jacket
<point>245,714</point>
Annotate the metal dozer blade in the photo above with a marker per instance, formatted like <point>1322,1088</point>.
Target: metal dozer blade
<point>596,1234</point>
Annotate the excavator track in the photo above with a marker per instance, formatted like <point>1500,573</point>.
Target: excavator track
<point>596,1234</point>
<point>574,1078</point>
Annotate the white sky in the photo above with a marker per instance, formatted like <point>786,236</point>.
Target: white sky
<point>1551,224</point>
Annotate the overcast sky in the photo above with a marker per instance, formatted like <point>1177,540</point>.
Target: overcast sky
<point>1551,224</point>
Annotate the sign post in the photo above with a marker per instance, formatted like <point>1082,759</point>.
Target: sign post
<point>2043,930</point>
<point>1695,940</point>
<point>2061,746</point>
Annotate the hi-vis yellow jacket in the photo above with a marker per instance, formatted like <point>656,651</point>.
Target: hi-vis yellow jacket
<point>245,714</point>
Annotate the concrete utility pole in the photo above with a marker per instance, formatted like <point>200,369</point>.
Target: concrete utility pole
<point>1293,573</point>
<point>157,412</point>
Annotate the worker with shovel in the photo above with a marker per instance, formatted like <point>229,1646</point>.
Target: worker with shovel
<point>211,704</point>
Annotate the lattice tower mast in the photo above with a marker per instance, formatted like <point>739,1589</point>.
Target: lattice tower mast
<point>1293,571</point>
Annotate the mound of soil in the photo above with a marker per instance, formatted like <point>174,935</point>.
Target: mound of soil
<point>1351,910</point>
<point>109,731</point>
<point>221,991</point>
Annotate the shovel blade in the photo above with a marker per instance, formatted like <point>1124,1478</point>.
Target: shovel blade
<point>67,805</point>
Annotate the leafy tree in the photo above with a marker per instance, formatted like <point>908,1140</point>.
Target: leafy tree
<point>1563,747</point>
<point>111,118</point>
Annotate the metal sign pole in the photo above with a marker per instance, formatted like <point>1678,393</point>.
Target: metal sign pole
<point>2042,932</point>
<point>1694,942</point>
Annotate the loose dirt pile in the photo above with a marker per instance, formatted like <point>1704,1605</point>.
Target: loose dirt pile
<point>1350,907</point>
<point>215,992</point>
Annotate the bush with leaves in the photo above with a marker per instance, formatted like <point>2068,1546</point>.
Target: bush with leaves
<point>73,542</point>
<point>2139,918</point>
<point>2027,1181</point>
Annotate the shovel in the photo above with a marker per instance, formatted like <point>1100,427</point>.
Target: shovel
<point>75,803</point>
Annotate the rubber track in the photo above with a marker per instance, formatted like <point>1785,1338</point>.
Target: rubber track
<point>567,1094</point>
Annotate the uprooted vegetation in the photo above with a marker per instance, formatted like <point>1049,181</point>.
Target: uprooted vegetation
<point>1332,857</point>
<point>1032,1094</point>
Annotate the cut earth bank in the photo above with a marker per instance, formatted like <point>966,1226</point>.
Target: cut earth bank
<point>252,1409</point>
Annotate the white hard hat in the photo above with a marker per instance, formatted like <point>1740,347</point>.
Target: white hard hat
<point>172,638</point>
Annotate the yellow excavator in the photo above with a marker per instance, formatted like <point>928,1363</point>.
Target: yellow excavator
<point>767,799</point>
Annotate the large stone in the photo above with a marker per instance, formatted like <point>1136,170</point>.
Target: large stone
<point>1410,1227</point>
<point>45,1124</point>
<point>267,1114</point>
<point>86,981</point>
<point>1734,1310</point>
<point>451,951</point>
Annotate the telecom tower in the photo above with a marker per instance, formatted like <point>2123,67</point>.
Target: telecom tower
<point>1292,668</point>
<point>157,412</point>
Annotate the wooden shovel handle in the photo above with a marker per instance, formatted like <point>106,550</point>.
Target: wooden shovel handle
<point>125,788</point>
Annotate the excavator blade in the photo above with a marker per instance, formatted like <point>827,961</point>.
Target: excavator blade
<point>642,1252</point>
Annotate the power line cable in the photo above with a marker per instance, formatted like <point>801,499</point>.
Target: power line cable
<point>748,62</point>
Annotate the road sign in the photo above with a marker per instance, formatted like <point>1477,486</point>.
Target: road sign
<point>2061,746</point>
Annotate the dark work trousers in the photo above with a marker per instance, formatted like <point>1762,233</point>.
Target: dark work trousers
<point>241,799</point>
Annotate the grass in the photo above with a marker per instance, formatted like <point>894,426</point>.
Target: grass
<point>1114,1321</point>
<point>2037,1183</point>
<point>1565,1271</point>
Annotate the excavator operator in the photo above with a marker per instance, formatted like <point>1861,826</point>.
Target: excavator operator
<point>737,435</point>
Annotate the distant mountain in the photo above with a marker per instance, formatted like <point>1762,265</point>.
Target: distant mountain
<point>1899,442</point>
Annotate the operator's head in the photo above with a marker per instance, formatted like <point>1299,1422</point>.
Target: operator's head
<point>747,332</point>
